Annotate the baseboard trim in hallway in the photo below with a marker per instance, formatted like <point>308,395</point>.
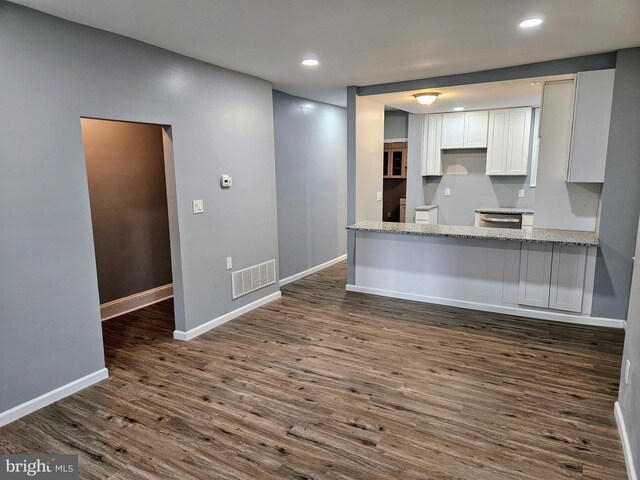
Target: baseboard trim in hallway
<point>503,309</point>
<point>311,270</point>
<point>136,301</point>
<point>205,327</point>
<point>624,438</point>
<point>48,398</point>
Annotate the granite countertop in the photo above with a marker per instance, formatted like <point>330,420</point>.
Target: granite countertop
<point>513,211</point>
<point>535,235</point>
<point>425,208</point>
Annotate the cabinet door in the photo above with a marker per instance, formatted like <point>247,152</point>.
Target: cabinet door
<point>535,274</point>
<point>590,135</point>
<point>567,277</point>
<point>475,129</point>
<point>433,157</point>
<point>497,142</point>
<point>453,130</point>
<point>519,141</point>
<point>385,163</point>
<point>397,163</point>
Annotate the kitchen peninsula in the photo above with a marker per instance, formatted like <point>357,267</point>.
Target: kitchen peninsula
<point>536,273</point>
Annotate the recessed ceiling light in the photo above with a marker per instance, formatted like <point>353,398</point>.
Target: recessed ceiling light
<point>530,22</point>
<point>426,98</point>
<point>310,62</point>
<point>458,109</point>
<point>535,84</point>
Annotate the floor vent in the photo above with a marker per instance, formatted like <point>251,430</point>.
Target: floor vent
<point>252,278</point>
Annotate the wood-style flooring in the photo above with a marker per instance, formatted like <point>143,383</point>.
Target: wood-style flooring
<point>327,384</point>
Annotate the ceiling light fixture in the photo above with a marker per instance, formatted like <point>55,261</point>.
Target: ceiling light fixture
<point>426,98</point>
<point>458,109</point>
<point>530,22</point>
<point>310,62</point>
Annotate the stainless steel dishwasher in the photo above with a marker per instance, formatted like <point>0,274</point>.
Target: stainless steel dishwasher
<point>501,220</point>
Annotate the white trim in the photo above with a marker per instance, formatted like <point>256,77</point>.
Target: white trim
<point>48,398</point>
<point>136,301</point>
<point>205,327</point>
<point>395,140</point>
<point>311,270</point>
<point>505,309</point>
<point>626,446</point>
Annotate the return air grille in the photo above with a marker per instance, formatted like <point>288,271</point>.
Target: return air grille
<point>252,278</point>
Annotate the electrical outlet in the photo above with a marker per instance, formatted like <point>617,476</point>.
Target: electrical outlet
<point>378,196</point>
<point>198,206</point>
<point>447,192</point>
<point>627,371</point>
<point>229,263</point>
<point>521,193</point>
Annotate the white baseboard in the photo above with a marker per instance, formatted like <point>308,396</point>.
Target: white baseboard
<point>505,309</point>
<point>136,301</point>
<point>315,269</point>
<point>205,327</point>
<point>48,398</point>
<point>626,446</point>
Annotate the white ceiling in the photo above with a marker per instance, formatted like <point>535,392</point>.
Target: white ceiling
<point>481,96</point>
<point>361,42</point>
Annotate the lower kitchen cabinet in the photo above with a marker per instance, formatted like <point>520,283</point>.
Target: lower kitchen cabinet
<point>552,276</point>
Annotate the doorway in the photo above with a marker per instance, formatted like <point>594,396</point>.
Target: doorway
<point>130,218</point>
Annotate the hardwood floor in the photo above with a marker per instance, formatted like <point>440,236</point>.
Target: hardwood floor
<point>327,384</point>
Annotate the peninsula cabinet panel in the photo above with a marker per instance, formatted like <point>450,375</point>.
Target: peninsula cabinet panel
<point>567,277</point>
<point>535,274</point>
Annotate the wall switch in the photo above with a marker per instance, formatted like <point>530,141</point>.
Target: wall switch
<point>378,196</point>
<point>447,192</point>
<point>198,206</point>
<point>627,371</point>
<point>229,263</point>
<point>521,193</point>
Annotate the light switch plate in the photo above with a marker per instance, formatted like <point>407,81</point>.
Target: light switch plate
<point>447,192</point>
<point>225,181</point>
<point>229,263</point>
<point>521,193</point>
<point>198,206</point>
<point>378,196</point>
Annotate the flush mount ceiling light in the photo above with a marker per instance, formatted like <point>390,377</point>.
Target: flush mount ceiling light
<point>310,62</point>
<point>426,98</point>
<point>458,109</point>
<point>530,22</point>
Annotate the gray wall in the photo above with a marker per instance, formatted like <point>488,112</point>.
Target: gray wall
<point>53,72</point>
<point>629,395</point>
<point>473,189</point>
<point>311,179</point>
<point>128,196</point>
<point>395,124</point>
<point>620,199</point>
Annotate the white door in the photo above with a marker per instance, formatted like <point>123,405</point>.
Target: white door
<point>535,274</point>
<point>433,158</point>
<point>497,142</point>
<point>475,129</point>
<point>519,140</point>
<point>453,130</point>
<point>567,277</point>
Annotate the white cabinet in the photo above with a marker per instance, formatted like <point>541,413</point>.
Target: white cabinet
<point>552,276</point>
<point>590,134</point>
<point>432,158</point>
<point>535,274</point>
<point>464,129</point>
<point>508,142</point>
<point>567,277</point>
<point>428,217</point>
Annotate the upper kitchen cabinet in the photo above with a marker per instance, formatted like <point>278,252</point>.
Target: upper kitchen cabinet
<point>590,135</point>
<point>465,129</point>
<point>394,163</point>
<point>432,157</point>
<point>508,141</point>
